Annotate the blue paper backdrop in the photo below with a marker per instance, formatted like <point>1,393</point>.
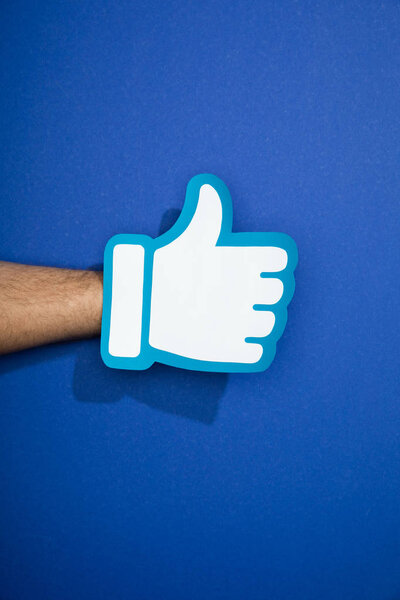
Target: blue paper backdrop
<point>177,485</point>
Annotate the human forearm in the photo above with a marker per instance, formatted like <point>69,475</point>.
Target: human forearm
<point>39,305</point>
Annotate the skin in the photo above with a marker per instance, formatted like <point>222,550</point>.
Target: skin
<point>40,305</point>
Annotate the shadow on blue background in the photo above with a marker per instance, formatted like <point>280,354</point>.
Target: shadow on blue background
<point>174,391</point>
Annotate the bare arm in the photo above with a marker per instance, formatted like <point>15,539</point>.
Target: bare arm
<point>39,305</point>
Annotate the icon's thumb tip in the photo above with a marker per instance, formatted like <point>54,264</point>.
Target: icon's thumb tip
<point>206,221</point>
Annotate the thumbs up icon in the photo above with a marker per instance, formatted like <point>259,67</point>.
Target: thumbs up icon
<point>199,296</point>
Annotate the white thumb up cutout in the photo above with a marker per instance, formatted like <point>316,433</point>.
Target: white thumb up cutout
<point>198,297</point>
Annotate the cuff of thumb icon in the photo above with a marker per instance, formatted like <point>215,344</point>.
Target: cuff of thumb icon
<point>126,307</point>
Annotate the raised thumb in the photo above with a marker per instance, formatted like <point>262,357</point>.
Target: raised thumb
<point>205,224</point>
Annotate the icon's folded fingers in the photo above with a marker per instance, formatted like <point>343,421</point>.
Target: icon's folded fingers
<point>250,352</point>
<point>269,259</point>
<point>259,323</point>
<point>263,259</point>
<point>268,290</point>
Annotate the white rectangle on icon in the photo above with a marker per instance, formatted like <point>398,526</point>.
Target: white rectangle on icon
<point>127,301</point>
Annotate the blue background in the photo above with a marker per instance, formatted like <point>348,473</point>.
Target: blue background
<point>178,485</point>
